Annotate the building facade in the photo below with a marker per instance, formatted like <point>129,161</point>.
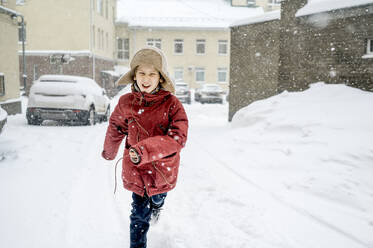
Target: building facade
<point>299,47</point>
<point>196,43</point>
<point>195,56</point>
<point>9,62</point>
<point>74,37</point>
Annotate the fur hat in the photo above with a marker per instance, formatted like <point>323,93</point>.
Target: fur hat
<point>152,56</point>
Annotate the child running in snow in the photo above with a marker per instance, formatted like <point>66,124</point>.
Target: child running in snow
<point>155,125</point>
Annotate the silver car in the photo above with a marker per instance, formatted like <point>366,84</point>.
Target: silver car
<point>183,92</point>
<point>211,93</point>
<point>68,99</point>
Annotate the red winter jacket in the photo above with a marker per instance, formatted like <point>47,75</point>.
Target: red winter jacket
<point>156,126</point>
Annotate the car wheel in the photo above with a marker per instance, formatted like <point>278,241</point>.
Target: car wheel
<point>91,117</point>
<point>107,114</point>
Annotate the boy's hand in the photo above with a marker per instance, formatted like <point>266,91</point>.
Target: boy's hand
<point>134,156</point>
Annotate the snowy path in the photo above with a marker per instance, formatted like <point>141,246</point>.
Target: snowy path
<point>57,192</point>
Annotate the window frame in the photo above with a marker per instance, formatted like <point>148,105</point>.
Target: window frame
<point>154,42</point>
<point>179,41</point>
<point>223,42</point>
<point>369,48</point>
<point>180,70</point>
<point>225,70</point>
<point>125,51</point>
<point>201,42</point>
<point>2,84</point>
<point>199,70</point>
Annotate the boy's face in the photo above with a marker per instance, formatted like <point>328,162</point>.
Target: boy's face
<point>147,78</point>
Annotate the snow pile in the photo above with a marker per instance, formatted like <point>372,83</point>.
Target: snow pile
<point>181,13</point>
<point>293,170</point>
<point>3,114</point>
<point>318,6</point>
<point>312,152</point>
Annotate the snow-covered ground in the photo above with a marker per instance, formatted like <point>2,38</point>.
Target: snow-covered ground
<point>294,170</point>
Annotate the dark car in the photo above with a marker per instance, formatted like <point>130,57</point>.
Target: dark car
<point>183,92</point>
<point>211,93</point>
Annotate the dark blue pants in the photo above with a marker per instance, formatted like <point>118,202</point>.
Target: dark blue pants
<point>140,216</point>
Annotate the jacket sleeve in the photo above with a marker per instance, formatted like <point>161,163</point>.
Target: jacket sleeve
<point>116,131</point>
<point>157,147</point>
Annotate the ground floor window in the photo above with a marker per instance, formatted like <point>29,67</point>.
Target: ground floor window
<point>123,49</point>
<point>222,75</point>
<point>370,46</point>
<point>200,74</point>
<point>179,73</point>
<point>2,84</point>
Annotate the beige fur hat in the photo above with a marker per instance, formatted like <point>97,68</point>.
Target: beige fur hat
<point>152,56</point>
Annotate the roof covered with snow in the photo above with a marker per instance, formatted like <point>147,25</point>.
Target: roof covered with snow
<point>268,16</point>
<point>181,13</point>
<point>318,6</point>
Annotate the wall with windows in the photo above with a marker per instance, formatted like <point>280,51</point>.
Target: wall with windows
<point>194,56</point>
<point>269,5</point>
<point>70,25</point>
<point>9,72</point>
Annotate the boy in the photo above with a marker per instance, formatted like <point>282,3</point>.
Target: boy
<point>155,125</point>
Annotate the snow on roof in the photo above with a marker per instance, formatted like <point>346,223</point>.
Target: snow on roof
<point>49,52</point>
<point>318,6</point>
<point>269,16</point>
<point>181,13</point>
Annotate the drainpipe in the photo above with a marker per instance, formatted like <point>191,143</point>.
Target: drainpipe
<point>13,14</point>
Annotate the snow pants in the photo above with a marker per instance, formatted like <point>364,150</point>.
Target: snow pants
<point>140,216</point>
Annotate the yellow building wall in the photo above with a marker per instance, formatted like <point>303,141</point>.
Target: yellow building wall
<point>68,25</point>
<point>189,60</point>
<point>266,6</point>
<point>9,61</point>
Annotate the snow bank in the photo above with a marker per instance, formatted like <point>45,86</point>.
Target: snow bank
<point>3,114</point>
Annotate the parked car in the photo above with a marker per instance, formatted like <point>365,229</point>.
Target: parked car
<point>183,92</point>
<point>68,99</point>
<point>3,118</point>
<point>209,93</point>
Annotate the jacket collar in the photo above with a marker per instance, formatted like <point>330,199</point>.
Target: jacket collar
<point>149,99</point>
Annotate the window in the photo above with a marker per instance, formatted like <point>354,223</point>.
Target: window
<point>370,46</point>
<point>3,1</point>
<point>200,46</point>
<point>36,74</point>
<point>223,47</point>
<point>222,75</point>
<point>179,73</point>
<point>2,84</point>
<point>99,38</point>
<point>123,49</point>
<point>21,36</point>
<point>154,42</point>
<point>20,2</point>
<point>274,2</point>
<point>200,74</point>
<point>178,46</point>
<point>106,9</point>
<point>107,41</point>
<point>100,7</point>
